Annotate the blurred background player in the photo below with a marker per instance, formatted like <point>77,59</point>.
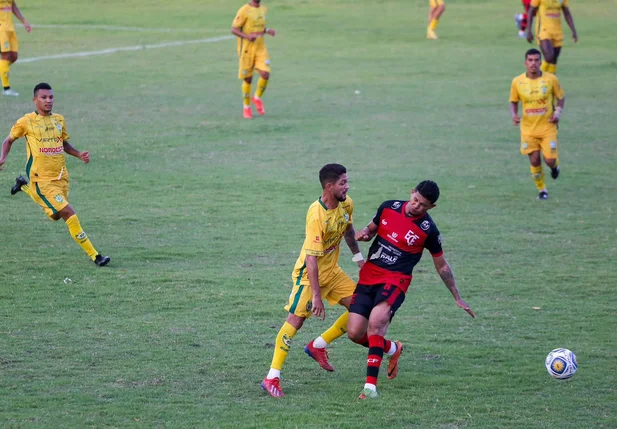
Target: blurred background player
<point>548,29</point>
<point>250,27</point>
<point>436,9</point>
<point>8,42</point>
<point>402,230</point>
<point>46,144</point>
<point>522,19</point>
<point>317,275</point>
<point>537,90</point>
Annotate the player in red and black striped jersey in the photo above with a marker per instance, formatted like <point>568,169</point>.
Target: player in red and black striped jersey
<point>402,230</point>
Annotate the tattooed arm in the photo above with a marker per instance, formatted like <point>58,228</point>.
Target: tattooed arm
<point>352,243</point>
<point>445,272</point>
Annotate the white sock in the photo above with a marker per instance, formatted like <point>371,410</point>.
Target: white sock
<point>370,387</point>
<point>274,373</point>
<point>319,343</point>
<point>392,349</point>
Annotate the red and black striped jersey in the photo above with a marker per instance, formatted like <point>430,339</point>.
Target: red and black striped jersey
<point>398,245</point>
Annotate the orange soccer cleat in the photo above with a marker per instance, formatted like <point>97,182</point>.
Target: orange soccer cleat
<point>259,105</point>
<point>393,362</point>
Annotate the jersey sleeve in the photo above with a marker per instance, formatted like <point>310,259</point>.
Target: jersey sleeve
<point>20,128</point>
<point>380,210</point>
<point>433,242</point>
<point>313,243</point>
<point>557,89</point>
<point>535,3</point>
<point>65,135</point>
<point>514,98</point>
<point>565,4</point>
<point>240,18</point>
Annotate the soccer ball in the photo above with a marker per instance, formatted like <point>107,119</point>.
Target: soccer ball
<point>561,364</point>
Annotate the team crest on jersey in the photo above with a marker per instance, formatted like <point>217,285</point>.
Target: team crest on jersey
<point>346,216</point>
<point>59,198</point>
<point>524,145</point>
<point>6,45</point>
<point>59,126</point>
<point>425,225</point>
<point>544,90</point>
<point>396,205</point>
<point>268,62</point>
<point>411,238</point>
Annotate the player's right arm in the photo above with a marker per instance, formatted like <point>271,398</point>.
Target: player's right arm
<point>514,99</point>
<point>367,233</point>
<point>570,20</point>
<point>533,8</point>
<point>238,25</point>
<point>312,270</point>
<point>6,148</point>
<point>314,249</point>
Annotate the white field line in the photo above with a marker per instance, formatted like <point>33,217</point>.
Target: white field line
<point>120,28</point>
<point>126,49</point>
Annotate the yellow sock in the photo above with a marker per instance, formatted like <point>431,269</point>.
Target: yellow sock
<point>552,68</point>
<point>283,344</point>
<point>338,329</point>
<point>261,87</point>
<point>538,177</point>
<point>246,93</point>
<point>433,24</point>
<point>80,236</point>
<point>4,73</point>
<point>544,66</point>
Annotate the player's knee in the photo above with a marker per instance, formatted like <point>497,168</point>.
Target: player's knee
<point>249,80</point>
<point>265,75</point>
<point>12,57</point>
<point>354,334</point>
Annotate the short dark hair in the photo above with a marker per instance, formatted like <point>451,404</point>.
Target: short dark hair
<point>533,51</point>
<point>429,190</point>
<point>330,173</point>
<point>41,85</point>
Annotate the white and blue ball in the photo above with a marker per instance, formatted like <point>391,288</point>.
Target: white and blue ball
<point>561,364</point>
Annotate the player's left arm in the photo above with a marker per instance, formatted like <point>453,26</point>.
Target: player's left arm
<point>19,16</point>
<point>352,243</point>
<point>445,272</point>
<point>570,20</point>
<point>84,156</point>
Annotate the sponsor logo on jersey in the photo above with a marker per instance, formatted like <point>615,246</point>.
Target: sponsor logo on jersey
<point>51,150</point>
<point>536,112</point>
<point>396,205</point>
<point>425,225</point>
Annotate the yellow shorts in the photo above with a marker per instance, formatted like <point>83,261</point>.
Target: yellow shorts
<point>435,3</point>
<point>338,287</point>
<point>555,36</point>
<point>253,59</point>
<point>549,145</point>
<point>52,196</point>
<point>8,41</point>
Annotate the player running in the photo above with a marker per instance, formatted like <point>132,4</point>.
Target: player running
<point>46,144</point>
<point>9,45</point>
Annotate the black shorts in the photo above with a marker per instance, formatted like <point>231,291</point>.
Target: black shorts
<point>365,298</point>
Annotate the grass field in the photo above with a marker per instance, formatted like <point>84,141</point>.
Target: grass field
<point>203,214</point>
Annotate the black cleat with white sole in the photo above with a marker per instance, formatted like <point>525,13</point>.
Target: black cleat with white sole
<point>543,195</point>
<point>555,173</point>
<point>101,260</point>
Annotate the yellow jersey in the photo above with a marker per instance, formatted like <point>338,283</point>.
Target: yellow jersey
<point>6,15</point>
<point>325,229</point>
<point>249,20</point>
<point>537,97</point>
<point>549,14</point>
<point>45,137</point>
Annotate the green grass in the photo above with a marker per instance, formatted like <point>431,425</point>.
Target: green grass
<point>203,215</point>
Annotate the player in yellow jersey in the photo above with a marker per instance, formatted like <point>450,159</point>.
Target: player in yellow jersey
<point>537,90</point>
<point>8,42</point>
<point>436,9</point>
<point>250,27</point>
<point>46,144</point>
<point>548,29</point>
<point>317,276</point>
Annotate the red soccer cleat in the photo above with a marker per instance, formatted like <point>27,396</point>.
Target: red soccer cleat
<point>259,105</point>
<point>247,112</point>
<point>320,355</point>
<point>393,362</point>
<point>273,387</point>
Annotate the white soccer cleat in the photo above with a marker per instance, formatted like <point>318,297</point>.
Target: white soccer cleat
<point>10,92</point>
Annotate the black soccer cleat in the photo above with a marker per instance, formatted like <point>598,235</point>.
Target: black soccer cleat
<point>555,172</point>
<point>101,260</point>
<point>543,195</point>
<point>19,182</point>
